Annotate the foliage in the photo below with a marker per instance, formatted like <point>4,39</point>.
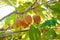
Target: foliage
<point>39,17</point>
<point>34,33</point>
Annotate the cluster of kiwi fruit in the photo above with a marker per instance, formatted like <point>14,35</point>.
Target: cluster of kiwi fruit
<point>27,21</point>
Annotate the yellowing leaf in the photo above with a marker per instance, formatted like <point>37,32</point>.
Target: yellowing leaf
<point>58,30</point>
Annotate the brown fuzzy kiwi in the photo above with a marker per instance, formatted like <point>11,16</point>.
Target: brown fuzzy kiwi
<point>37,19</point>
<point>28,19</point>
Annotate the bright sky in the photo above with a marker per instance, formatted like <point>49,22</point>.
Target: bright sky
<point>5,10</point>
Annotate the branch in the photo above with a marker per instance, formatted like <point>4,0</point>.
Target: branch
<point>7,16</point>
<point>9,33</point>
<point>29,8</point>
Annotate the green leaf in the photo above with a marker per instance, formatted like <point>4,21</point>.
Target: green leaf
<point>9,37</point>
<point>47,23</point>
<point>57,5</point>
<point>8,20</point>
<point>1,32</point>
<point>58,36</point>
<point>58,16</point>
<point>52,22</point>
<point>31,36</point>
<point>20,8</point>
<point>1,38</point>
<point>43,25</point>
<point>34,33</point>
<point>49,34</point>
<point>26,4</point>
<point>26,36</point>
<point>53,8</point>
<point>39,10</point>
